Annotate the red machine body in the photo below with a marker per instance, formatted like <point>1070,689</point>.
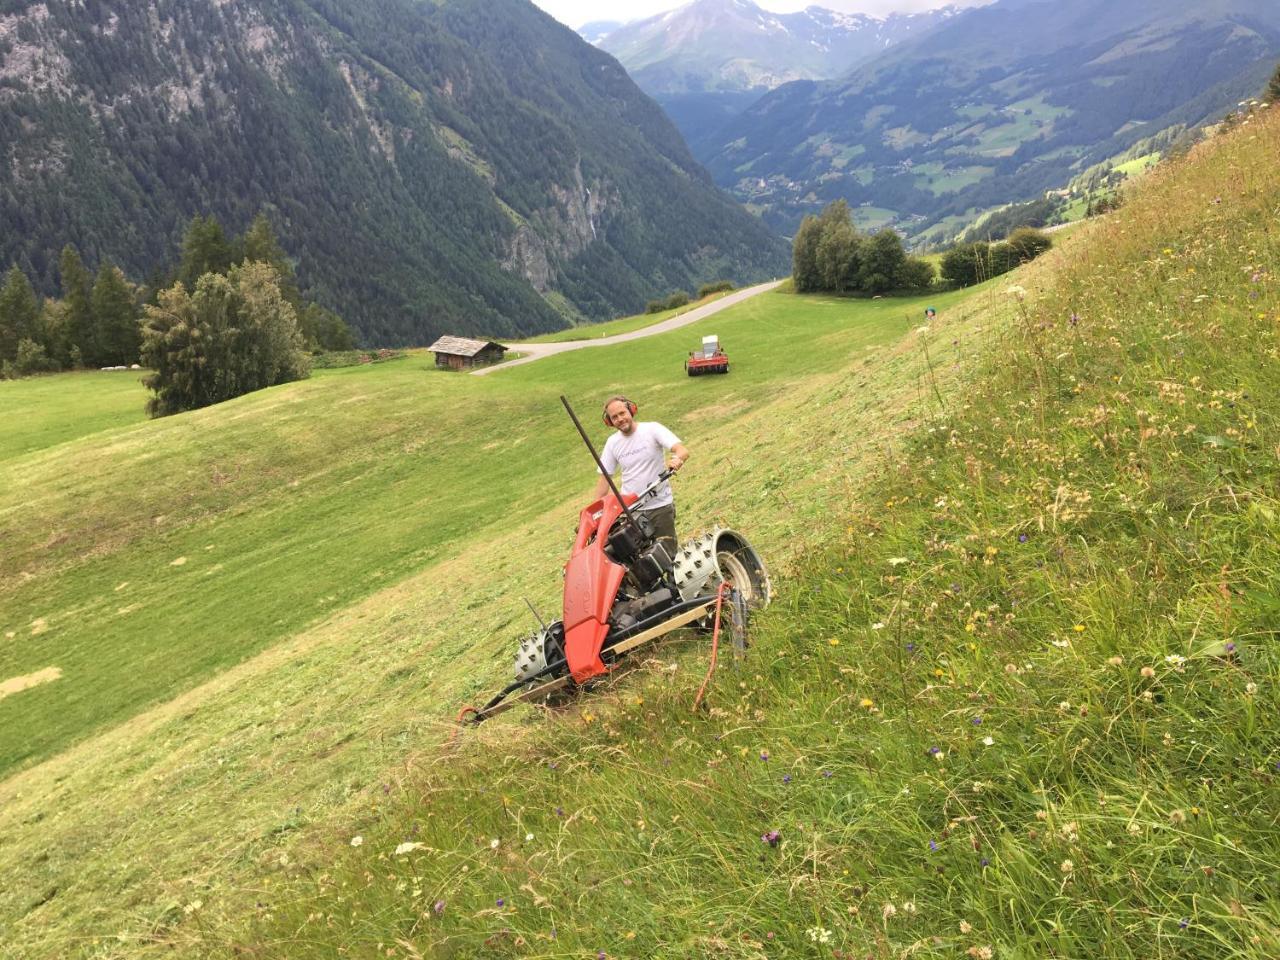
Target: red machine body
<point>591,582</point>
<point>711,358</point>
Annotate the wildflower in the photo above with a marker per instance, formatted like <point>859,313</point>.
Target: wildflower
<point>980,953</point>
<point>1067,867</point>
<point>976,721</point>
<point>834,642</point>
<point>193,906</point>
<point>1147,673</point>
<point>965,926</point>
<point>356,841</point>
<point>1075,318</point>
<point>1078,628</point>
<point>988,741</point>
<point>935,750</point>
<point>933,846</point>
<point>500,902</point>
<point>493,844</point>
<point>407,847</point>
<point>819,934</point>
<point>1177,817</point>
<point>889,910</point>
<point>1250,688</point>
<point>772,838</point>
<point>438,908</point>
<point>1231,647</point>
<point>877,626</point>
<point>1115,661</point>
<point>1022,538</point>
<point>1133,829</point>
<point>1184,923</point>
<point>786,778</point>
<point>898,561</point>
<point>528,837</point>
<point>764,754</point>
<point>866,703</point>
<point>984,862</point>
<point>1176,661</point>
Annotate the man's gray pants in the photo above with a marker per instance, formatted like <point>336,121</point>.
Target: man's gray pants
<point>664,525</point>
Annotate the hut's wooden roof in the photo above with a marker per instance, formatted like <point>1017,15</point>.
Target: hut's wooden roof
<point>462,346</point>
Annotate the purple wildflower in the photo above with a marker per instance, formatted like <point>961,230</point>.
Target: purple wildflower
<point>559,811</point>
<point>501,902</point>
<point>1183,923</point>
<point>976,721</point>
<point>935,750</point>
<point>786,778</point>
<point>984,862</point>
<point>1022,538</point>
<point>1075,318</point>
<point>772,837</point>
<point>438,909</point>
<point>933,845</point>
<point>764,754</point>
<point>1231,648</point>
<point>826,774</point>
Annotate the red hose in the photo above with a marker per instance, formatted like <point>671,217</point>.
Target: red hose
<point>715,644</point>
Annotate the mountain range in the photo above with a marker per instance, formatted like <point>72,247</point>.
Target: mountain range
<point>707,60</point>
<point>463,166</point>
<point>995,104</point>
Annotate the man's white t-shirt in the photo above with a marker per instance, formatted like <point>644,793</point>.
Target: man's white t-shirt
<point>641,459</point>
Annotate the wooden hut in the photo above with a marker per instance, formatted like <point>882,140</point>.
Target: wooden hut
<point>458,353</point>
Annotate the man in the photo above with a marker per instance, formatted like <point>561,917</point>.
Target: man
<point>638,449</point>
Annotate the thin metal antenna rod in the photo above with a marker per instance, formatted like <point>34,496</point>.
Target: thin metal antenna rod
<point>542,622</point>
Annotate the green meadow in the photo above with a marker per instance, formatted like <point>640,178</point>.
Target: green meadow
<point>1015,698</point>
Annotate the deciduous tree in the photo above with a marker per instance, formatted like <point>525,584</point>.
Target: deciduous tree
<point>232,335</point>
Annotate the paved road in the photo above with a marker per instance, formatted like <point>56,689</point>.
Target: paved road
<point>536,351</point>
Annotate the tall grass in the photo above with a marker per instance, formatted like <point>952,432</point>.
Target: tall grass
<point>1018,701</point>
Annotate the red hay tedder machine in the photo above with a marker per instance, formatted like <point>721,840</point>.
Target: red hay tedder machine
<point>622,589</point>
<point>710,359</point>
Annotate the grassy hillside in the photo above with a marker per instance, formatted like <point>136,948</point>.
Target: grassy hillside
<point>354,549</point>
<point>1016,697</point>
<point>1020,703</point>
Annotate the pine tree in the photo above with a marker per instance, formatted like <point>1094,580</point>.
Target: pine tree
<point>116,312</point>
<point>1273,88</point>
<point>76,294</point>
<point>260,245</point>
<point>204,250</point>
<point>18,313</point>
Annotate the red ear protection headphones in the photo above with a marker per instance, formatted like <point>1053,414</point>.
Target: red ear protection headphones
<point>631,407</point>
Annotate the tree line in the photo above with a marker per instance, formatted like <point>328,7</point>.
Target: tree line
<point>226,319</point>
<point>829,255</point>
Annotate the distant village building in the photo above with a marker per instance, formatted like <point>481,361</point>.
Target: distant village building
<point>458,353</point>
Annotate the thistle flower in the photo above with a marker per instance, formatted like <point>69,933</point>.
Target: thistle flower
<point>772,838</point>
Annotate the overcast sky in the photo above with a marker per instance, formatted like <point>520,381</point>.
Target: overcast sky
<point>575,13</point>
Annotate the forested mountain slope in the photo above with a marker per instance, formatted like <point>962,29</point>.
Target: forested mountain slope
<point>464,166</point>
<point>997,104</point>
